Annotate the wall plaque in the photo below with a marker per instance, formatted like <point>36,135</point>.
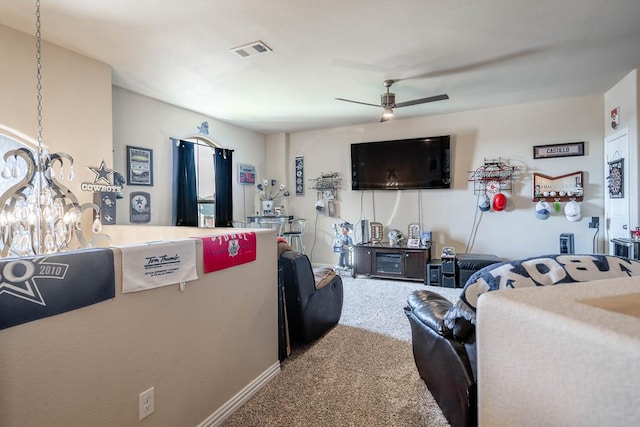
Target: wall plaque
<point>558,150</point>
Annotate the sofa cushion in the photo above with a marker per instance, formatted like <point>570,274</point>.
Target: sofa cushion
<point>475,261</point>
<point>537,271</point>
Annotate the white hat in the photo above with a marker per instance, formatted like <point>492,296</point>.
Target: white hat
<point>572,211</point>
<point>542,210</point>
<point>484,204</point>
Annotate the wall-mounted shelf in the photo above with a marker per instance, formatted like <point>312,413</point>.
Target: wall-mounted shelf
<point>561,188</point>
<point>493,176</point>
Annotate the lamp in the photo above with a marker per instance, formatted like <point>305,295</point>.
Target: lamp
<point>40,215</point>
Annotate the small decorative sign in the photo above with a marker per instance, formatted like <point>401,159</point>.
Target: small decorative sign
<point>615,118</point>
<point>140,212</point>
<point>299,163</point>
<point>558,150</point>
<point>107,203</point>
<point>104,181</point>
<point>246,174</point>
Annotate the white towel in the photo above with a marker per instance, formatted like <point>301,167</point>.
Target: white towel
<point>155,264</point>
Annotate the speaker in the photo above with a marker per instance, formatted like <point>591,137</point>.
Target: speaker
<point>364,230</point>
<point>567,245</point>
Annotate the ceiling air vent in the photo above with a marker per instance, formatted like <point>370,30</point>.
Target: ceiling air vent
<point>251,49</point>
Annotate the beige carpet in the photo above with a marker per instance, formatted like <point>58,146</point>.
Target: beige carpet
<point>352,376</point>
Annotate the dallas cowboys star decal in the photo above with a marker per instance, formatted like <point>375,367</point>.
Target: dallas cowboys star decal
<point>102,173</point>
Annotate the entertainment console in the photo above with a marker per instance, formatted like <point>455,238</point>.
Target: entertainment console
<point>397,262</point>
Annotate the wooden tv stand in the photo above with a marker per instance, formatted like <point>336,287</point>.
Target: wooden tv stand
<point>396,262</point>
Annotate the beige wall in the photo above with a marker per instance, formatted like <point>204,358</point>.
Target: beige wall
<point>625,94</point>
<point>507,132</point>
<point>76,103</point>
<point>197,348</point>
<point>145,122</point>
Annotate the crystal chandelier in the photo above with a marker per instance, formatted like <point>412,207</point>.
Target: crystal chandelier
<point>39,214</point>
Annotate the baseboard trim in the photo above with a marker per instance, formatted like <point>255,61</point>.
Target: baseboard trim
<point>241,397</point>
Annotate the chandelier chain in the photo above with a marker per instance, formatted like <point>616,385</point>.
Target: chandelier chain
<point>39,75</point>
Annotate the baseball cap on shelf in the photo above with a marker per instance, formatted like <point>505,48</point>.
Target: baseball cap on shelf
<point>572,211</point>
<point>499,202</point>
<point>483,203</point>
<point>542,210</point>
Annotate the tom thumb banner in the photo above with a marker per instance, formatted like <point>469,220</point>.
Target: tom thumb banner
<point>152,265</point>
<point>226,250</point>
<point>33,288</point>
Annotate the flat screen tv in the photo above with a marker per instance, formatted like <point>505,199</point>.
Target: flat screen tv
<point>418,163</point>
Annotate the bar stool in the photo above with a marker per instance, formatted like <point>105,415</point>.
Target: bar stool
<point>276,223</point>
<point>295,233</point>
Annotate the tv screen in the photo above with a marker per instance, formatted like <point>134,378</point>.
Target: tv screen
<point>417,163</point>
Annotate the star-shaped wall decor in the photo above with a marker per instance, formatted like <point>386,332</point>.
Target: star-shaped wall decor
<point>102,173</point>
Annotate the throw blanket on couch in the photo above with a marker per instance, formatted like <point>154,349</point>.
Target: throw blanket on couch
<point>539,271</point>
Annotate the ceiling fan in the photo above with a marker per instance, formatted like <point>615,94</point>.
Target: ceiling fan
<point>388,101</point>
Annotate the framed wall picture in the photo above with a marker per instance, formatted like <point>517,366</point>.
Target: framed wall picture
<point>246,174</point>
<point>558,150</point>
<point>616,179</point>
<point>139,166</point>
<point>299,164</point>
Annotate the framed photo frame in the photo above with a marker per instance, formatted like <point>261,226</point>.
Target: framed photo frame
<point>558,150</point>
<point>139,166</point>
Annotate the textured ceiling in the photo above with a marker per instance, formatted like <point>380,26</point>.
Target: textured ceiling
<point>482,53</point>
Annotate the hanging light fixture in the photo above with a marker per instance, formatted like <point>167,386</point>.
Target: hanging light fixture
<point>387,114</point>
<point>39,214</point>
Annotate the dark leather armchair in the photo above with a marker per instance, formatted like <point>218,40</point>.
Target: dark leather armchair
<point>313,301</point>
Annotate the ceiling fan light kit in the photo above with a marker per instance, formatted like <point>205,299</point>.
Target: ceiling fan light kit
<point>388,101</point>
<point>387,114</point>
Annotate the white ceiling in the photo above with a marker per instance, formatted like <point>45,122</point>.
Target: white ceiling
<point>482,53</point>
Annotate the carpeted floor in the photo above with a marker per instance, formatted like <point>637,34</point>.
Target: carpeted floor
<point>361,373</point>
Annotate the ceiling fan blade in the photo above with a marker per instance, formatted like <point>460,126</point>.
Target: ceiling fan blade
<point>358,102</point>
<point>423,100</point>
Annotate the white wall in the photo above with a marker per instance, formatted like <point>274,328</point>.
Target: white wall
<point>625,94</point>
<point>145,122</point>
<point>509,133</point>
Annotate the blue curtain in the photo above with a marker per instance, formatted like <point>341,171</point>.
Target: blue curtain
<point>224,193</point>
<point>185,203</point>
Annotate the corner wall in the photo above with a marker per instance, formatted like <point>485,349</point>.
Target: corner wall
<point>76,103</point>
<point>146,122</point>
<point>625,94</point>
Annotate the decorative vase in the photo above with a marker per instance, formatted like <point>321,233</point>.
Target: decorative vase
<point>267,208</point>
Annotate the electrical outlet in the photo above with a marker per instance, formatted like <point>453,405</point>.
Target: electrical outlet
<point>146,403</point>
<point>595,222</point>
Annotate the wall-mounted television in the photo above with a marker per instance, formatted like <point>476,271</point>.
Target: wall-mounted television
<point>417,163</point>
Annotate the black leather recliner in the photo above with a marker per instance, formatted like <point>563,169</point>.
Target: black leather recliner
<point>443,334</point>
<point>313,301</point>
<point>446,363</point>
